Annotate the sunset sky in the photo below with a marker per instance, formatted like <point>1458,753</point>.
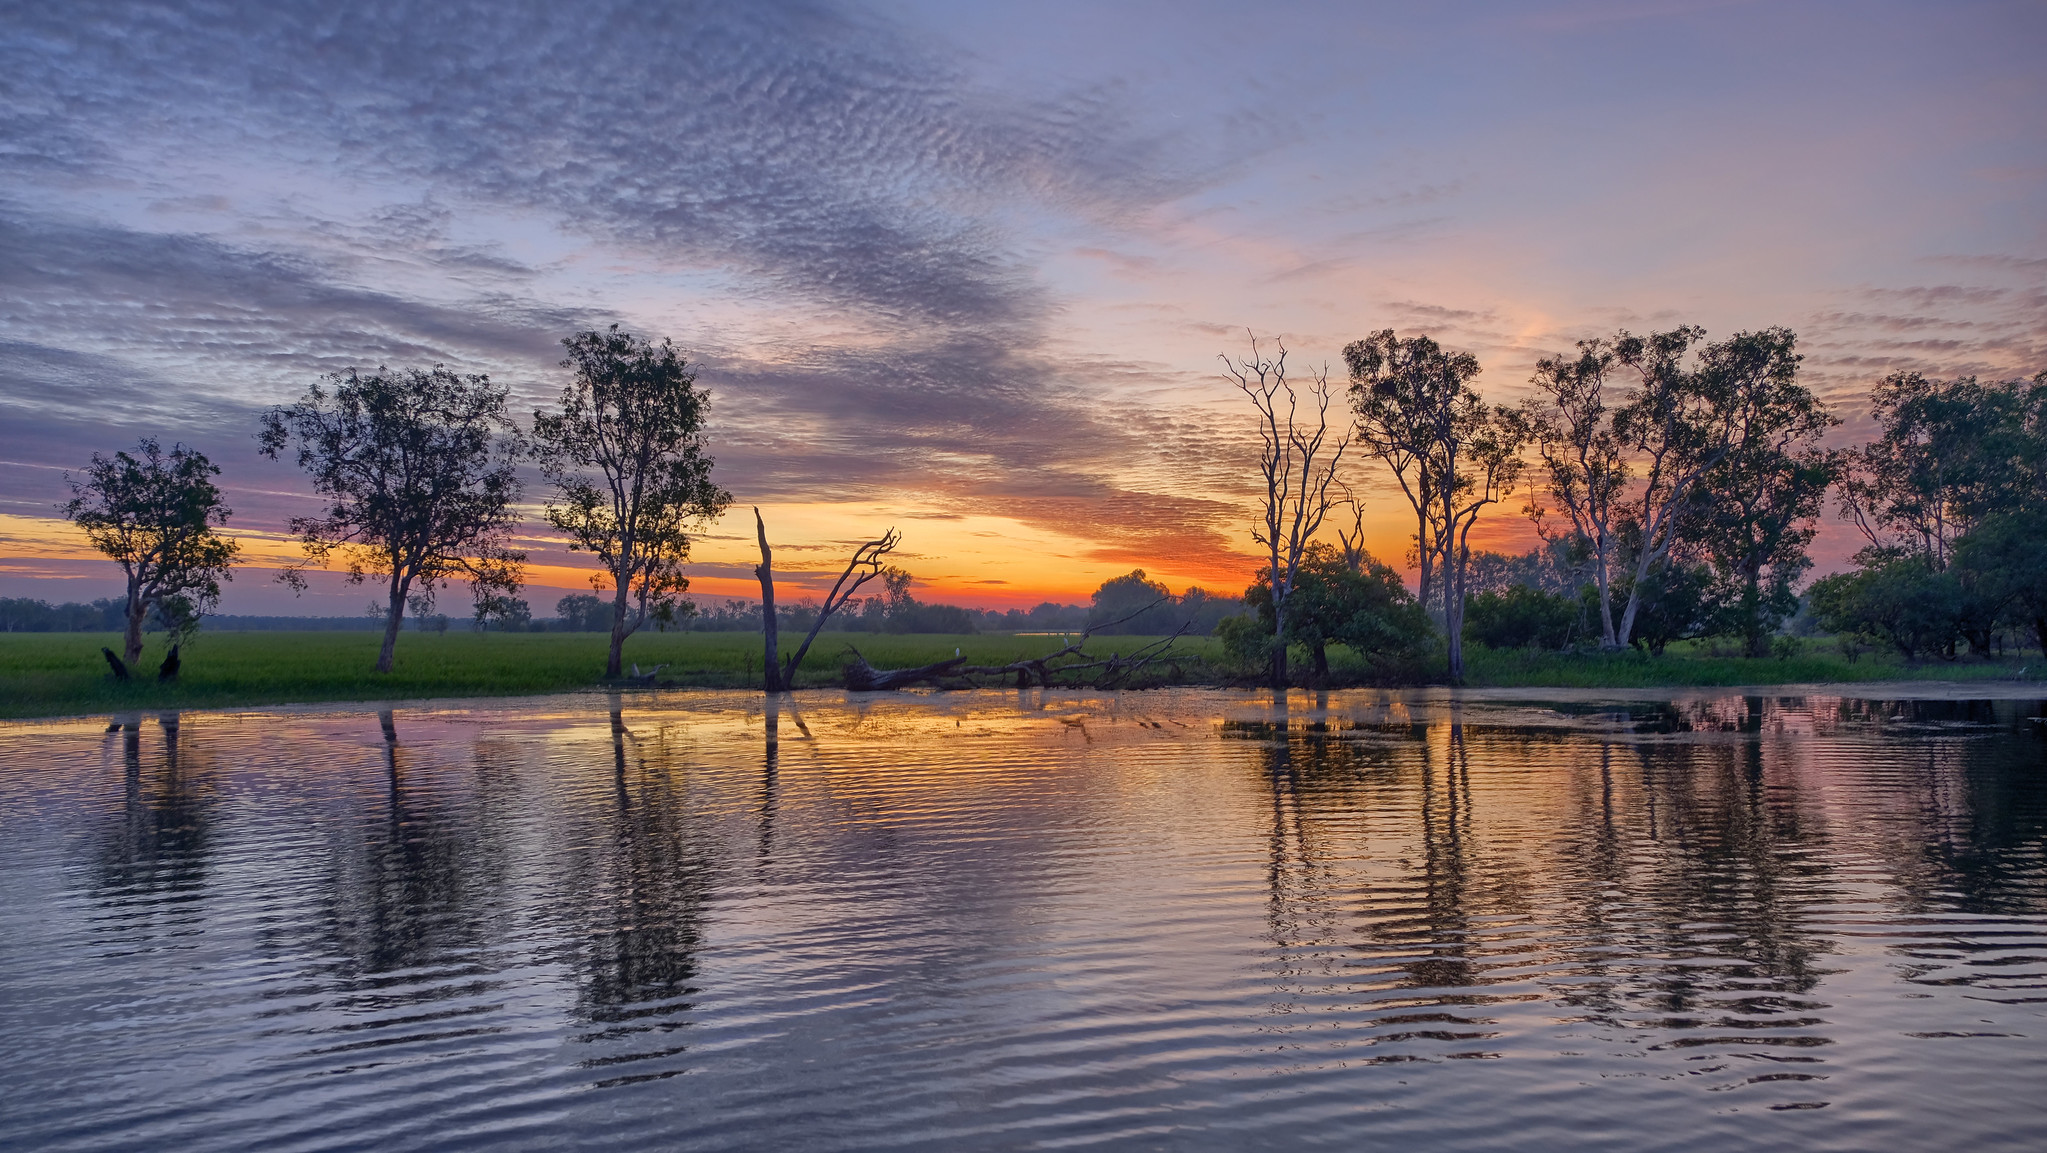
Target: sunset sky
<point>967,269</point>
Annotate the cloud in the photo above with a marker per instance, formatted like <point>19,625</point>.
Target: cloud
<point>816,151</point>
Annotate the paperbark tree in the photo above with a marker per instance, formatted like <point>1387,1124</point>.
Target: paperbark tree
<point>1452,455</point>
<point>1394,386</point>
<point>418,471</point>
<point>1682,422</point>
<point>1298,463</point>
<point>626,454</point>
<point>156,515</point>
<point>1570,425</point>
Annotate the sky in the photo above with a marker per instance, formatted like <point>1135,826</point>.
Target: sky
<point>968,269</point>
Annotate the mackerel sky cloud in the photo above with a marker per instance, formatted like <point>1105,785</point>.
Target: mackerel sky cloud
<point>966,269</point>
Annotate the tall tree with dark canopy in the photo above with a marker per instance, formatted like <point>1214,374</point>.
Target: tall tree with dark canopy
<point>157,515</point>
<point>1760,502</point>
<point>1297,461</point>
<point>626,454</point>
<point>418,468</point>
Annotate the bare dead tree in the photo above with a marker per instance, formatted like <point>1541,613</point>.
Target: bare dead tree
<point>865,565</point>
<point>1298,463</point>
<point>1353,547</point>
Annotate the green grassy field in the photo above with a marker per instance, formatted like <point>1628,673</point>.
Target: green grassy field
<point>1692,664</point>
<point>62,674</point>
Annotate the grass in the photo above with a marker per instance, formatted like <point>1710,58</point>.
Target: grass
<point>63,674</point>
<point>1693,664</point>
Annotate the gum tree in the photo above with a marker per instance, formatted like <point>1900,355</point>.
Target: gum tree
<point>626,454</point>
<point>418,470</point>
<point>158,516</point>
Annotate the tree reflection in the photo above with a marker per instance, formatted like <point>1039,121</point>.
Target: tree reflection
<point>414,880</point>
<point>640,900</point>
<point>163,840</point>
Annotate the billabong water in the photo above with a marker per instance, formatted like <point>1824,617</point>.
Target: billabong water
<point>1015,920</point>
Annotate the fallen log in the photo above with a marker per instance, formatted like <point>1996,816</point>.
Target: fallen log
<point>114,663</point>
<point>862,677</point>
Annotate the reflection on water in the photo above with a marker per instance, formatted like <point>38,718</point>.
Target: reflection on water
<point>1009,920</point>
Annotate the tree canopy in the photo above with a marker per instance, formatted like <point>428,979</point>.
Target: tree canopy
<point>418,469</point>
<point>157,515</point>
<point>627,454</point>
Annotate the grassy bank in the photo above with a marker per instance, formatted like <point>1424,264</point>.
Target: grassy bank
<point>1689,665</point>
<point>58,674</point>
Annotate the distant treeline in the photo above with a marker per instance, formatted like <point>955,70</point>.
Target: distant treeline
<point>1132,604</point>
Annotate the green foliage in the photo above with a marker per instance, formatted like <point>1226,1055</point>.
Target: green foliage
<point>1903,602</point>
<point>627,456</point>
<point>583,613</point>
<point>419,479</point>
<point>1521,617</point>
<point>1367,610</point>
<point>1133,604</point>
<point>2006,561</point>
<point>1677,602</point>
<point>155,514</point>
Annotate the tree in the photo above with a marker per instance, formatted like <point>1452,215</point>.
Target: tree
<point>419,474</point>
<point>1571,427</point>
<point>1298,464</point>
<point>865,565</point>
<point>1417,412</point>
<point>1637,479</point>
<point>1765,492</point>
<point>583,613</point>
<point>2009,551</point>
<point>1366,609</point>
<point>1136,604</point>
<point>1521,615</point>
<point>156,515</point>
<point>1948,454</point>
<point>626,454</point>
<point>1395,387</point>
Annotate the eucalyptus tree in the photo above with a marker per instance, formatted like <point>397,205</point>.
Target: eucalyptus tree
<point>1571,428</point>
<point>158,516</point>
<point>1452,454</point>
<point>1394,387</point>
<point>1297,461</point>
<point>419,473</point>
<point>627,455</point>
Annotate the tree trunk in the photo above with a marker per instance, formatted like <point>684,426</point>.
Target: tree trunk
<point>1604,578</point>
<point>1278,645</point>
<point>771,680</point>
<point>131,634</point>
<point>1320,651</point>
<point>1752,615</point>
<point>614,660</point>
<point>393,620</point>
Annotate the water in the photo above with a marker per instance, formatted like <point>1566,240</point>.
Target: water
<point>1186,920</point>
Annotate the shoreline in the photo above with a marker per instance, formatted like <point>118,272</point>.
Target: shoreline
<point>1309,702</point>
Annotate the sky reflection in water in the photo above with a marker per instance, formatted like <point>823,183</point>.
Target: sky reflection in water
<point>1185,919</point>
